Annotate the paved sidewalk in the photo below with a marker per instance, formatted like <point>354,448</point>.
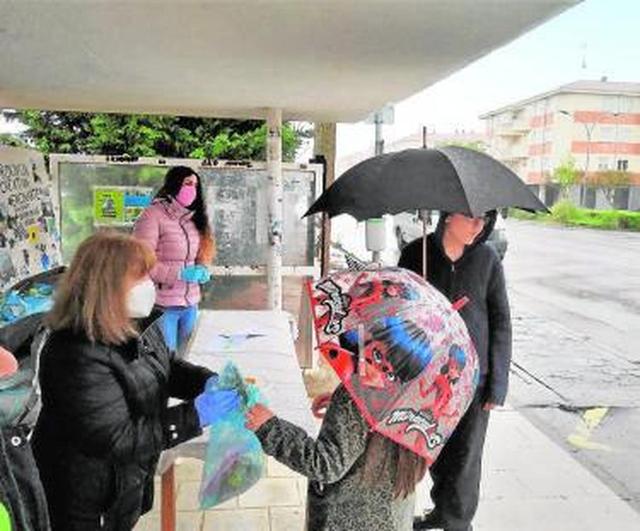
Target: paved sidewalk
<point>531,484</point>
<point>276,503</point>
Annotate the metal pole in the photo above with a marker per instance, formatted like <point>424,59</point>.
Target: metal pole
<point>424,244</point>
<point>615,143</point>
<point>588,154</point>
<point>379,148</point>
<point>275,208</point>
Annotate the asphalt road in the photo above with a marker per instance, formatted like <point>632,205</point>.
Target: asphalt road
<point>575,295</point>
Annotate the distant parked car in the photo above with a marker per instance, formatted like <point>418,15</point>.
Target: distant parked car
<point>407,226</point>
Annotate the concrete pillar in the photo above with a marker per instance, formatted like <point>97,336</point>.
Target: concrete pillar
<point>275,208</point>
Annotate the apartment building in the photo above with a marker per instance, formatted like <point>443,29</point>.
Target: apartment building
<point>596,123</point>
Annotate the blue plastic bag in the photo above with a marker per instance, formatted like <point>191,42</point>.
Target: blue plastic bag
<point>234,461</point>
<point>15,305</point>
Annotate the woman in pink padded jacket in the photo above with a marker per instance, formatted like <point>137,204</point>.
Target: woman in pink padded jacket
<point>176,227</point>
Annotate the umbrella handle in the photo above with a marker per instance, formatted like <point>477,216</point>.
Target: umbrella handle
<point>362,368</point>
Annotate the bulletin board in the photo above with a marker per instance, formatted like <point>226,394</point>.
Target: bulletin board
<point>29,227</point>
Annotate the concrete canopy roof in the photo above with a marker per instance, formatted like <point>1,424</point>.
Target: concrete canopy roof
<point>318,60</point>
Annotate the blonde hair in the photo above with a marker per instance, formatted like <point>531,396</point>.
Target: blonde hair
<point>91,296</point>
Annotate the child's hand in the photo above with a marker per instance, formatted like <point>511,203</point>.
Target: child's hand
<point>257,416</point>
<point>320,404</point>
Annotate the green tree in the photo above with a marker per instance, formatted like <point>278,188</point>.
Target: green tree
<point>148,135</point>
<point>13,140</point>
<point>609,181</point>
<point>566,175</point>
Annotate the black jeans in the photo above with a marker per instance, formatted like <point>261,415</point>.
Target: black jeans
<point>456,473</point>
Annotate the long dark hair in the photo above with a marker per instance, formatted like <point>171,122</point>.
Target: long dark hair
<point>172,184</point>
<point>385,457</point>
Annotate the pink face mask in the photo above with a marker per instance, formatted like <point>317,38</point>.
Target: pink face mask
<point>187,195</point>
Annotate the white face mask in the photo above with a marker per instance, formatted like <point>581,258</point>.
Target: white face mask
<point>141,299</point>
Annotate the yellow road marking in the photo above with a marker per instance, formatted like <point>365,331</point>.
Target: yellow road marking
<point>588,422</point>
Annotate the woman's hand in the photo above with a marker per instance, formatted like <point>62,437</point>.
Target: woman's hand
<point>320,404</point>
<point>257,416</point>
<point>213,405</point>
<point>196,274</point>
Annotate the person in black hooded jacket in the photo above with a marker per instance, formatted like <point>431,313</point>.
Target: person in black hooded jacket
<point>469,273</point>
<point>106,376</point>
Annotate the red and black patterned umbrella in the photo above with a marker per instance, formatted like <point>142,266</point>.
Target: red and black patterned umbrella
<point>401,350</point>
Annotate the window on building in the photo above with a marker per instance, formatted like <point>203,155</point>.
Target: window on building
<point>623,165</point>
<point>625,104</point>
<point>607,133</point>
<point>603,163</point>
<point>624,134</point>
<point>617,104</point>
<point>610,103</point>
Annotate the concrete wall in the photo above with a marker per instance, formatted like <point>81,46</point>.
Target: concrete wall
<point>626,198</point>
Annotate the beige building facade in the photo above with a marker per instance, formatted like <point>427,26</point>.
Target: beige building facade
<point>595,123</point>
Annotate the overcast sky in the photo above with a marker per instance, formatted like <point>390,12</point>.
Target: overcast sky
<point>594,39</point>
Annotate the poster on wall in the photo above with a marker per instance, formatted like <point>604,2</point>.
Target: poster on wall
<point>119,205</point>
<point>29,229</point>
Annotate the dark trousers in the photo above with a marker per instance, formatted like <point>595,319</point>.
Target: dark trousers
<point>456,472</point>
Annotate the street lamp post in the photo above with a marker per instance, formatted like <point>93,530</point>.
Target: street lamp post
<point>589,131</point>
<point>588,128</point>
<point>615,142</point>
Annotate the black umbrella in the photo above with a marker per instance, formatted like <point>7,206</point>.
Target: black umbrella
<point>451,178</point>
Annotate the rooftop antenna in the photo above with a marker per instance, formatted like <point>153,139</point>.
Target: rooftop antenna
<point>583,47</point>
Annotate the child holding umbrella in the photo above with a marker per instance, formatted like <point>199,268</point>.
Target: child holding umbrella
<point>379,433</point>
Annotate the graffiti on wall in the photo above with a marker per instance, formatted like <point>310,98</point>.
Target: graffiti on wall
<point>29,237</point>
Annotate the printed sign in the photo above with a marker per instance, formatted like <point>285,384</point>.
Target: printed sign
<point>119,205</point>
<point>29,235</point>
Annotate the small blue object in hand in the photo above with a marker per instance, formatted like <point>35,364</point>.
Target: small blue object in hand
<point>196,274</point>
<point>214,404</point>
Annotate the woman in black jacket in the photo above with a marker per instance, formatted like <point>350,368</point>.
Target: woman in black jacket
<point>21,490</point>
<point>106,376</point>
<point>469,273</point>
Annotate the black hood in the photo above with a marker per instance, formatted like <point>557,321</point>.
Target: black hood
<point>481,238</point>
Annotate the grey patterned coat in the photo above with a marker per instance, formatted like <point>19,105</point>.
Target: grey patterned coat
<point>337,499</point>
